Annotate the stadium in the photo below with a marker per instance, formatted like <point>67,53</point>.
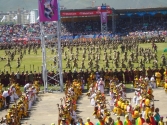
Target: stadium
<point>110,64</point>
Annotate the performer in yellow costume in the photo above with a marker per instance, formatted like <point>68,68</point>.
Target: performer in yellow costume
<point>136,112</point>
<point>1,86</point>
<point>165,85</point>
<point>18,90</point>
<point>106,79</point>
<point>37,86</point>
<point>147,106</point>
<point>158,79</point>
<point>119,111</point>
<point>165,73</point>
<point>122,107</point>
<point>90,80</point>
<point>150,93</point>
<point>136,82</point>
<point>1,100</point>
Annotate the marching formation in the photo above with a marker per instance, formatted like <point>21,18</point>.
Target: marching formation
<point>138,110</point>
<point>67,108</point>
<point>18,103</point>
<point>120,53</point>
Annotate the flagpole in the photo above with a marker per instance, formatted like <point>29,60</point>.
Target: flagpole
<point>59,48</point>
<point>59,58</point>
<point>44,72</point>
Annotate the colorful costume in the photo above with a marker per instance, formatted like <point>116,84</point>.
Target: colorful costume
<point>158,79</point>
<point>139,121</point>
<point>118,123</point>
<point>127,122</point>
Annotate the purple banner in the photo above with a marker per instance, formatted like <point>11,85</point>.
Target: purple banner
<point>103,17</point>
<point>48,10</point>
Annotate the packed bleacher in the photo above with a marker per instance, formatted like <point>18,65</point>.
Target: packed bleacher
<point>134,27</point>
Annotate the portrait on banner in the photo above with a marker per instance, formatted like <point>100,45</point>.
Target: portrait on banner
<point>48,10</point>
<point>103,17</point>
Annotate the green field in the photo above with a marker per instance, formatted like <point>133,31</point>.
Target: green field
<point>33,62</point>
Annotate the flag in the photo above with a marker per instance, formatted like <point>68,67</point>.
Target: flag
<point>15,18</point>
<point>4,17</point>
<point>48,10</point>
<point>28,17</point>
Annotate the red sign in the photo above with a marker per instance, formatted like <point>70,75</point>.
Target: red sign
<point>84,13</point>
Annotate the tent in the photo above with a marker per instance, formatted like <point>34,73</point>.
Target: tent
<point>165,50</point>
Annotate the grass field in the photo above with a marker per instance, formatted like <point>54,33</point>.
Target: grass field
<point>33,62</point>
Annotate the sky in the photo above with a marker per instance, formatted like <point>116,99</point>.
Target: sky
<point>7,5</point>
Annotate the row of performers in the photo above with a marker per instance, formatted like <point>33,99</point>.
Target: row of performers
<point>21,103</point>
<point>68,104</point>
<point>121,105</point>
<point>156,78</point>
<point>125,76</point>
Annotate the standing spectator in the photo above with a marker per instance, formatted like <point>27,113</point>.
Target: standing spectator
<point>126,76</point>
<point>22,79</point>
<point>157,116</point>
<point>31,77</point>
<point>17,77</point>
<point>64,76</point>
<point>26,78</point>
<point>2,78</point>
<point>7,78</point>
<point>69,76</point>
<point>120,75</point>
<point>131,75</point>
<point>162,70</point>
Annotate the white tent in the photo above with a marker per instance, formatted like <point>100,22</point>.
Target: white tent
<point>28,17</point>
<point>15,18</point>
<point>37,18</point>
<point>4,17</point>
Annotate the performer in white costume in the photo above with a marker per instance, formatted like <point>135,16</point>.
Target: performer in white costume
<point>92,99</point>
<point>152,82</point>
<point>100,85</point>
<point>13,96</point>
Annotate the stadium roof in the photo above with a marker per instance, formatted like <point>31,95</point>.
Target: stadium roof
<point>11,5</point>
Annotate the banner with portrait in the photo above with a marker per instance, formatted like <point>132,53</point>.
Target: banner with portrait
<point>48,10</point>
<point>103,17</point>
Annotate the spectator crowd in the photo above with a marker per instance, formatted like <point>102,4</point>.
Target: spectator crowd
<point>134,26</point>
